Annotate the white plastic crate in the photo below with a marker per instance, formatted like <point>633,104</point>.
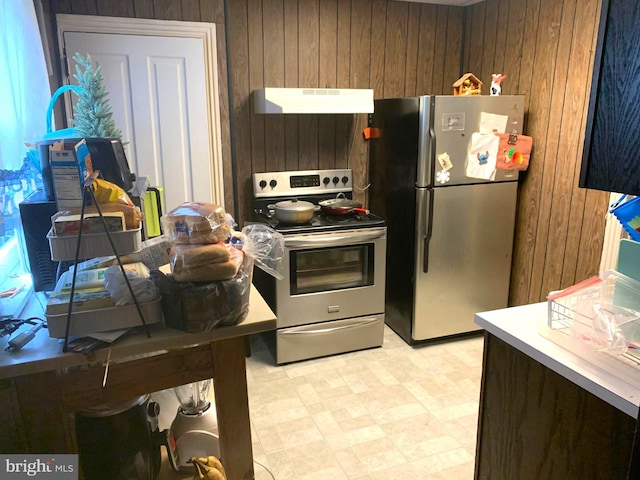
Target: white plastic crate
<point>599,320</point>
<point>94,245</point>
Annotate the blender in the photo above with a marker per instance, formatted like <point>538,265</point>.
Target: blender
<point>195,427</point>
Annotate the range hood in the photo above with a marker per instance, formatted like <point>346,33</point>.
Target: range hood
<point>312,100</point>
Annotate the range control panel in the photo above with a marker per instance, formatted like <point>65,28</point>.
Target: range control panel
<point>300,183</point>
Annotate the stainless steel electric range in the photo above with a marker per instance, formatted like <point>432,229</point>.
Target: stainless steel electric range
<point>331,299</point>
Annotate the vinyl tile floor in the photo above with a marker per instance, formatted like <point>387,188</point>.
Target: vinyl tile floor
<point>394,412</point>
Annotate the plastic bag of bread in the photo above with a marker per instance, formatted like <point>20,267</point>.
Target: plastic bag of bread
<point>195,223</point>
<point>132,214</point>
<point>204,263</point>
<point>202,306</point>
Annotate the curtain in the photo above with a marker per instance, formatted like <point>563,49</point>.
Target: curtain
<point>24,84</point>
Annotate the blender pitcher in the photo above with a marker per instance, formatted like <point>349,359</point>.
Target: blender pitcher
<point>195,427</point>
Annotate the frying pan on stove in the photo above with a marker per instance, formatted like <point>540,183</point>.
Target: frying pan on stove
<point>341,206</point>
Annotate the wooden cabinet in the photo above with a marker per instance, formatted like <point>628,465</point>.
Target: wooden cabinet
<point>611,156</point>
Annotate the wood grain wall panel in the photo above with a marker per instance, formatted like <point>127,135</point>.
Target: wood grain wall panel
<point>502,27</point>
<point>308,71</point>
<point>85,7</point>
<point>343,74</point>
<point>274,133</point>
<point>190,10</point>
<point>327,78</point>
<point>291,79</point>
<point>591,234</point>
<point>212,11</point>
<point>377,57</point>
<point>413,37</point>
<point>552,223</point>
<point>513,44</point>
<point>143,9</point>
<point>476,17</point>
<point>114,8</point>
<point>426,49</point>
<point>490,44</point>
<point>239,93</point>
<point>256,80</point>
<point>437,82</point>
<point>452,63</point>
<point>395,48</point>
<point>167,9</point>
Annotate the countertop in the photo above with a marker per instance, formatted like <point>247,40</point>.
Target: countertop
<point>517,326</point>
<point>44,353</point>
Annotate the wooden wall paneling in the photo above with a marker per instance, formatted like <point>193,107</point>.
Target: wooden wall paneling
<point>308,63</point>
<point>291,79</point>
<point>190,10</point>
<point>453,48</point>
<point>60,6</point>
<point>274,72</point>
<point>491,27</point>
<point>522,261</point>
<point>327,78</point>
<point>377,56</point>
<point>517,29</point>
<point>502,27</point>
<point>212,11</point>
<point>238,38</point>
<point>395,46</point>
<point>343,62</point>
<point>256,80</point>
<point>84,7</point>
<point>143,9</point>
<point>413,37</point>
<point>538,189</point>
<point>166,9</point>
<point>591,234</point>
<point>587,20</point>
<point>476,17</point>
<point>426,49</point>
<point>438,82</point>
<point>552,225</point>
<point>565,205</point>
<point>118,8</point>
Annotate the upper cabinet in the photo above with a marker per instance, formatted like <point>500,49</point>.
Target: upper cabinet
<point>611,156</point>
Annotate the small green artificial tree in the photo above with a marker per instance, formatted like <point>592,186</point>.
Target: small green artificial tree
<point>92,113</point>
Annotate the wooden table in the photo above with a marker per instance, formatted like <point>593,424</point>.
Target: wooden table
<point>41,387</point>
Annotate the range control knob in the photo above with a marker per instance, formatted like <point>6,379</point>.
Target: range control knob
<point>335,180</point>
<point>263,183</point>
<point>326,180</point>
<point>273,183</point>
<point>345,179</point>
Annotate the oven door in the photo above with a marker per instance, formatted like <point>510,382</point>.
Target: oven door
<point>332,275</point>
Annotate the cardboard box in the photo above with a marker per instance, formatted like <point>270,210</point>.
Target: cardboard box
<point>92,223</point>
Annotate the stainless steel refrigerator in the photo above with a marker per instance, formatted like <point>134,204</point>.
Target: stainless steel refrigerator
<point>450,219</point>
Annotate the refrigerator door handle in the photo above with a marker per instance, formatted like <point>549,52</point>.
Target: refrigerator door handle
<point>428,230</point>
<point>425,258</point>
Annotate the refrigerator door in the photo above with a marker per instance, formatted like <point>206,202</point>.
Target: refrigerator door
<point>463,256</point>
<point>454,120</point>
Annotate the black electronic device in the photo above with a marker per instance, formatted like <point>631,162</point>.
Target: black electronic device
<point>107,156</point>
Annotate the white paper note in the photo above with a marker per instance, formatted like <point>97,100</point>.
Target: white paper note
<point>492,123</point>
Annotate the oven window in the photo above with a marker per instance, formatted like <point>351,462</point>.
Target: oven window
<point>333,268</point>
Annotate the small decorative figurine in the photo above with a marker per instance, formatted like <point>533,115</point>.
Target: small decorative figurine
<point>468,84</point>
<point>496,80</point>
<point>483,158</point>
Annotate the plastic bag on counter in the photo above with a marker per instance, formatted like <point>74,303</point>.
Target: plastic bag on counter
<point>204,263</point>
<point>203,306</point>
<point>196,223</point>
<point>266,246</point>
<point>143,287</point>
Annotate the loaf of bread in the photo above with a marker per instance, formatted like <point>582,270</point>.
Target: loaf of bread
<point>207,266</point>
<point>196,223</point>
<point>190,256</point>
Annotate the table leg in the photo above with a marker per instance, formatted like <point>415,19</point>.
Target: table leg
<point>232,407</point>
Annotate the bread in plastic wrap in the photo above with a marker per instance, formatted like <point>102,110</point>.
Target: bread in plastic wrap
<point>204,263</point>
<point>132,214</point>
<point>202,306</point>
<point>196,223</point>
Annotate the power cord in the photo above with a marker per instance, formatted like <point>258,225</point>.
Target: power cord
<point>268,471</point>
<point>9,325</point>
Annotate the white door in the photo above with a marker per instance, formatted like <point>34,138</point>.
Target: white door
<point>158,94</point>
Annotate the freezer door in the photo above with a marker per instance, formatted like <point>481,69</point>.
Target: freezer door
<point>463,263</point>
<point>456,118</point>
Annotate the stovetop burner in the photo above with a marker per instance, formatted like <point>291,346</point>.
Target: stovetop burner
<point>312,186</point>
<point>321,222</point>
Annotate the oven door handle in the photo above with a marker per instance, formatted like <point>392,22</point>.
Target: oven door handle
<point>320,331</point>
<point>331,239</point>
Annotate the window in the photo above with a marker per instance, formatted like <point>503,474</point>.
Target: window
<point>24,96</point>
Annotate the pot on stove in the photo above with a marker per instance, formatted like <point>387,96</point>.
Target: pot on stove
<point>294,211</point>
<point>342,206</point>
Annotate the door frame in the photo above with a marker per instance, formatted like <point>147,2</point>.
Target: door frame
<point>206,32</point>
